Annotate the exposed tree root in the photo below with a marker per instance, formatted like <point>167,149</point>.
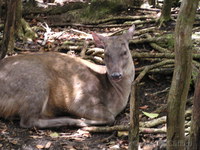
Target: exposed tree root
<point>25,32</point>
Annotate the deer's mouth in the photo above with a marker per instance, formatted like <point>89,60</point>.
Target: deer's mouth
<point>116,79</point>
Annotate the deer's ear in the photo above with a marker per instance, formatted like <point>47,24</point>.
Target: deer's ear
<point>129,34</point>
<point>99,40</point>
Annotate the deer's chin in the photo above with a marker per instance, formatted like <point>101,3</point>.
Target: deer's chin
<point>116,79</point>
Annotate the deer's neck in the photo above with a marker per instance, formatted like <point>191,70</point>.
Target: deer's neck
<point>120,91</point>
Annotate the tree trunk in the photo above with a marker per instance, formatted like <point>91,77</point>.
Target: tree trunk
<point>194,141</point>
<point>1,3</point>
<point>166,12</point>
<point>9,29</point>
<point>23,30</point>
<point>152,2</point>
<point>181,77</point>
<point>19,27</point>
<point>134,119</point>
<point>18,12</point>
<point>137,3</point>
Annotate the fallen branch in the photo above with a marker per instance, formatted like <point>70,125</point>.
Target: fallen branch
<point>124,128</point>
<point>145,127</point>
<point>127,18</point>
<point>70,48</point>
<point>94,51</point>
<point>147,124</point>
<point>99,24</point>
<point>152,55</point>
<point>162,70</point>
<point>153,130</point>
<point>154,122</point>
<point>138,32</point>
<point>81,32</point>
<point>158,55</point>
<point>148,68</point>
<point>88,25</point>
<point>146,30</point>
<point>163,63</point>
<point>146,40</point>
<point>47,33</point>
<point>156,46</point>
<point>107,129</point>
<point>166,90</point>
<point>159,48</point>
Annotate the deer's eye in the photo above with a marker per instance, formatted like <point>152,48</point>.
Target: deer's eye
<point>106,55</point>
<point>124,53</point>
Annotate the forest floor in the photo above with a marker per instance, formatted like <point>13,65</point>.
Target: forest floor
<point>153,91</point>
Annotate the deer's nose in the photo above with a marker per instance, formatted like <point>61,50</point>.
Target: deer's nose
<point>116,76</point>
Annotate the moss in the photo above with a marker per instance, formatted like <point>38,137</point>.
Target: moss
<point>168,42</point>
<point>24,31</point>
<point>101,9</point>
<point>94,11</point>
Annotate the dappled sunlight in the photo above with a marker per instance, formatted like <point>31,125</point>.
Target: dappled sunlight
<point>48,3</point>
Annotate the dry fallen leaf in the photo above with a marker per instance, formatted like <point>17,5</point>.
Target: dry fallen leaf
<point>144,107</point>
<point>84,133</point>
<point>48,144</point>
<point>69,147</point>
<point>115,147</point>
<point>14,142</point>
<point>36,137</point>
<point>39,146</point>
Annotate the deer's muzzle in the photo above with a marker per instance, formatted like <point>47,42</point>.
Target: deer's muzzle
<point>116,76</point>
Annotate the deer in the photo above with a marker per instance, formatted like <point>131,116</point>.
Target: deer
<point>53,89</point>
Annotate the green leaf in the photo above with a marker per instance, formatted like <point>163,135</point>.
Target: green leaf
<point>150,115</point>
<point>54,135</point>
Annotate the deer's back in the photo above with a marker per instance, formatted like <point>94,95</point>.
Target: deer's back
<point>54,82</point>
